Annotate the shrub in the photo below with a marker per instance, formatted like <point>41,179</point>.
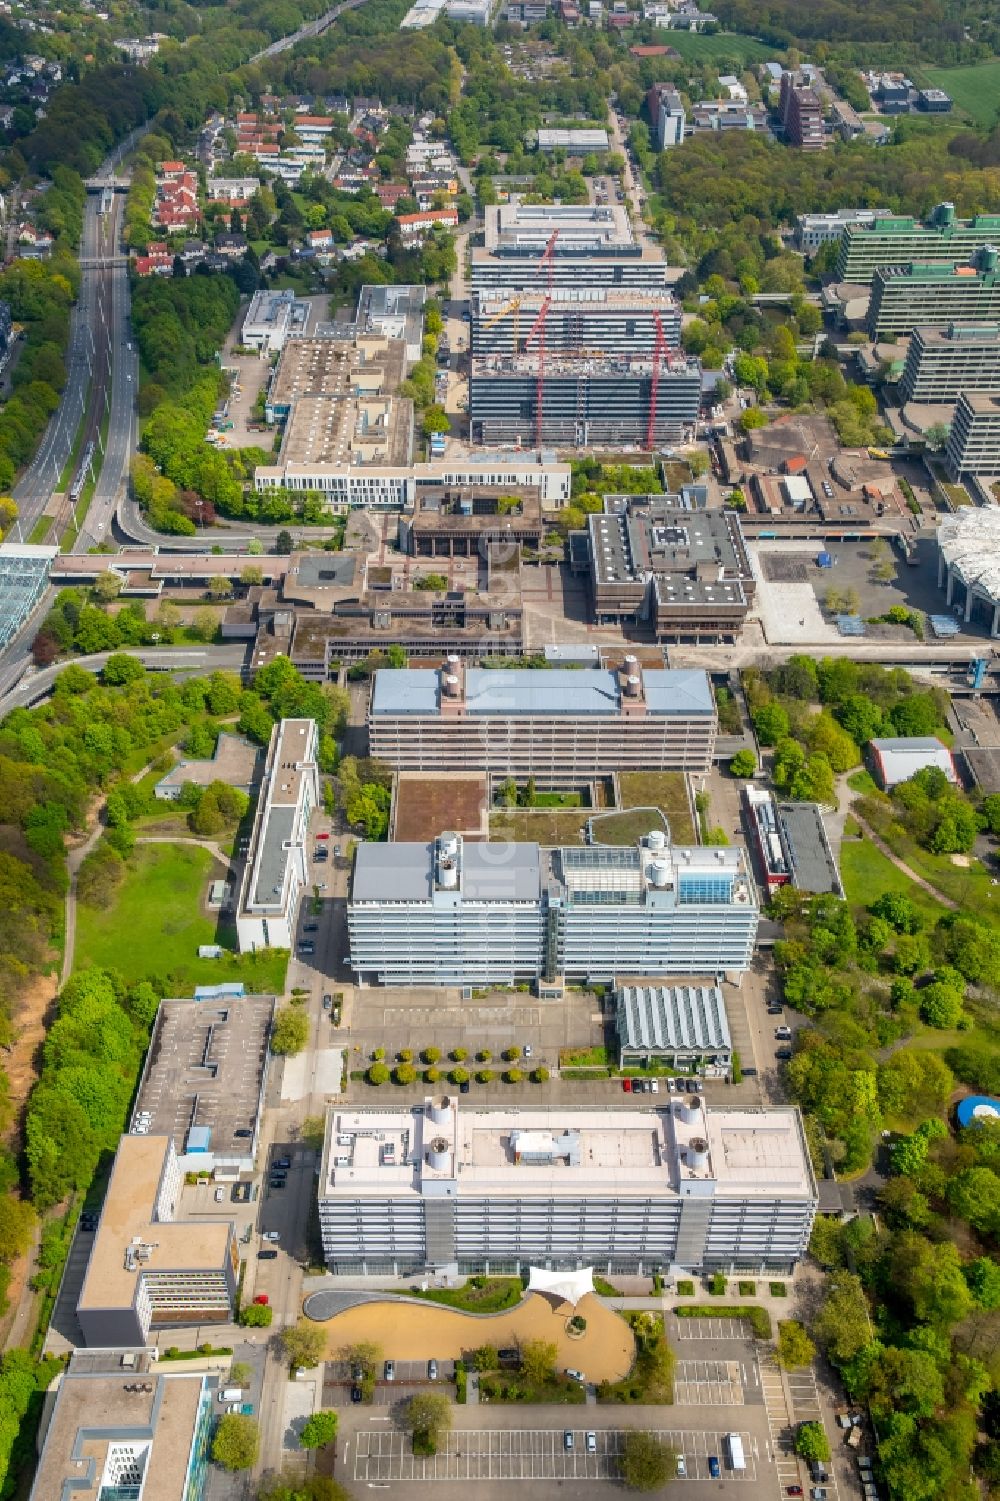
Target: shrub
<point>778,1289</point>
<point>405,1055</point>
<point>458,1054</point>
<point>378,1073</point>
<point>378,1054</point>
<point>459,1076</point>
<point>513,1076</point>
<point>484,1075</point>
<point>431,1055</point>
<point>432,1075</point>
<point>540,1074</point>
<point>404,1073</point>
<point>717,1285</point>
<point>484,1055</point>
<point>685,1288</point>
<point>509,1054</point>
<point>747,1289</point>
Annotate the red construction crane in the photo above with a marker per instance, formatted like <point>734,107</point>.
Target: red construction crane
<point>659,350</point>
<point>538,327</point>
<point>547,256</point>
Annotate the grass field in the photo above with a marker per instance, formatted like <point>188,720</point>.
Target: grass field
<point>156,923</point>
<point>867,873</point>
<point>625,827</point>
<point>660,789</point>
<point>695,47</point>
<point>975,90</point>
<point>538,825</point>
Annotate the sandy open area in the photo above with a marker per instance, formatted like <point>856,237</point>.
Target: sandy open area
<point>407,1331</point>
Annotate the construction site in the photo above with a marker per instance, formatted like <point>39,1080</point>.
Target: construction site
<point>579,366</point>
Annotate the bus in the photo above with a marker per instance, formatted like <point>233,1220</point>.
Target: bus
<point>734,1444</point>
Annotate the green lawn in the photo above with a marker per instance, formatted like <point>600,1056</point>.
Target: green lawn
<point>975,90</point>
<point>626,827</point>
<point>693,46</point>
<point>867,873</point>
<point>156,923</point>
<point>660,789</point>
<point>550,826</point>
<point>495,1294</point>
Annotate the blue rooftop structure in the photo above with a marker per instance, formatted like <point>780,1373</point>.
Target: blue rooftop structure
<point>976,1108</point>
<point>545,691</point>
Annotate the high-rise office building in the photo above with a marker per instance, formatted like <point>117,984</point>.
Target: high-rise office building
<point>449,1190</point>
<point>458,913</point>
<point>904,298</point>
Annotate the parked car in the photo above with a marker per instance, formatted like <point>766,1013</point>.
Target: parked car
<point>267,1255</point>
<point>527,1050</point>
<point>278,1182</point>
<point>692,1085</point>
<point>355,1394</point>
<point>463,1088</point>
<point>591,1443</point>
<point>575,1375</point>
<point>327,1002</point>
<point>307,948</point>
<point>389,1370</point>
<point>682,1468</point>
<point>244,1131</point>
<point>241,1193</point>
<point>311,927</point>
<point>567,1440</point>
<point>654,1086</point>
<point>284,1162</point>
<point>783,1054</point>
<point>783,1033</point>
<point>749,1073</point>
<point>322,836</point>
<point>220,1194</point>
<point>271,1235</point>
<point>713,1467</point>
<point>627,1086</point>
<point>432,1370</point>
<point>793,1490</point>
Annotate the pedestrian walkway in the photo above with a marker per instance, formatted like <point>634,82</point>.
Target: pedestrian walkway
<point>779,1423</point>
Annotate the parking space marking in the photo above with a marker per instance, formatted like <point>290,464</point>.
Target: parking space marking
<point>805,1396</point>
<point>708,1383</point>
<point>384,1455</point>
<point>779,1425</point>
<point>711,1328</point>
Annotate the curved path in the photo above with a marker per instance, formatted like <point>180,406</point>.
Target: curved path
<point>907,870</point>
<point>407,1329</point>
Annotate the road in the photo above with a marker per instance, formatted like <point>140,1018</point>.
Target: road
<point>312,28</point>
<point>33,689</point>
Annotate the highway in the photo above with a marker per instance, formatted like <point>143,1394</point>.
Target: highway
<point>311,28</point>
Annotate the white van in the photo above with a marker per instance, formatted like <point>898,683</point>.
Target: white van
<point>231,1394</point>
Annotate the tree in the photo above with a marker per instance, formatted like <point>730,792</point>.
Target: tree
<point>240,1373</point>
<point>120,669</point>
<point>771,723</point>
<point>312,1132</point>
<point>843,1326</point>
<point>205,623</point>
<point>378,1073</point>
<point>974,1195</point>
<point>983,1277</point>
<point>795,1348</point>
<point>537,1359</point>
<point>236,1444</point>
<point>256,1316</point>
<point>743,764</point>
<point>363,1357</point>
<point>319,1430</point>
<point>404,1073</point>
<point>251,573</point>
<point>428,1416</point>
<point>304,1343</point>
<point>284,543</point>
<point>431,1054</point>
<point>107,586</point>
<point>811,1442</point>
<point>646,1463</point>
<point>16,1221</point>
<point>487,1357</point>
<point>898,911</point>
<point>940,1005</point>
<point>290,1032</point>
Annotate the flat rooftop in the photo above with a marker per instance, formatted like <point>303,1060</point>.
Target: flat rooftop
<point>235,762</point>
<point>813,867</point>
<point>528,1153</point>
<point>405,872</point>
<point>517,228</point>
<point>427,804</point>
<point>277,811</point>
<point>381,616</point>
<point>698,554</point>
<point>348,430</point>
<point>98,1413</point>
<point>127,1219</point>
<point>541,693</point>
<point>369,365</point>
<point>488,302</point>
<point>205,1069</point>
<point>560,362</point>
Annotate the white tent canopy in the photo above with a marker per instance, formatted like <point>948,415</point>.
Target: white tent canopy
<point>570,1286</point>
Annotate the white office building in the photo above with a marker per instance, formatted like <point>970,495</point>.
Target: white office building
<point>277,863</point>
<point>449,1191</point>
<point>271,319</point>
<point>455,913</point>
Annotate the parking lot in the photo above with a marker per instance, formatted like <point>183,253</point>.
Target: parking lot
<point>381,1457</point>
<point>710,1329</point>
<point>708,1383</point>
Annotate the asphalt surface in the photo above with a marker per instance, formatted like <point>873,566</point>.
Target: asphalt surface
<point>198,659</point>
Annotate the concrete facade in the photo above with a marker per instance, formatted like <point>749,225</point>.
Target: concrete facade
<point>277,864</point>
